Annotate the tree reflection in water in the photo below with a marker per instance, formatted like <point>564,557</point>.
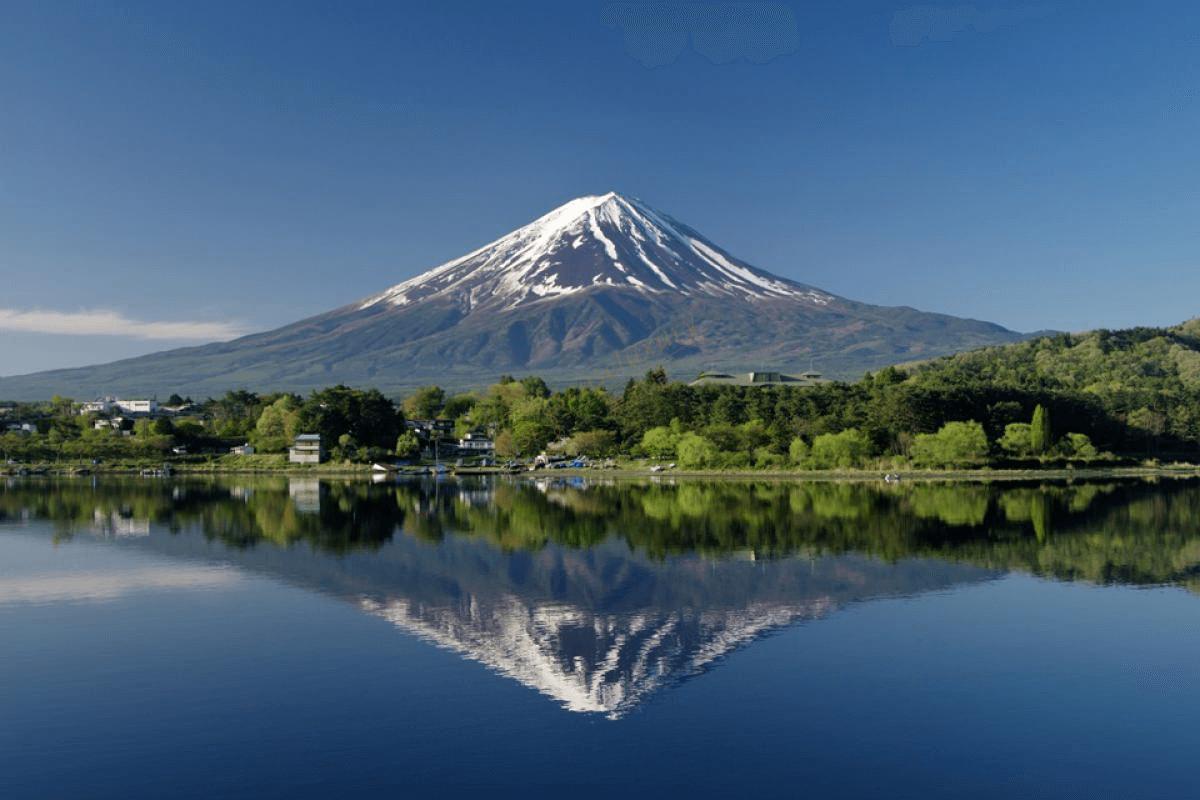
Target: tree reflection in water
<point>1137,532</point>
<point>599,594</point>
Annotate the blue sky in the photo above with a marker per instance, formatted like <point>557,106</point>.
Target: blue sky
<point>233,167</point>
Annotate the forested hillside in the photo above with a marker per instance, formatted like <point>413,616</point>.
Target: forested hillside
<point>1140,386</point>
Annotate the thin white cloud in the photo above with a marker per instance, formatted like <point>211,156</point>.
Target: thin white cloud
<point>99,322</point>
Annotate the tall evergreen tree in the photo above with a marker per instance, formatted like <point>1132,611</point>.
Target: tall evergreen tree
<point>1041,437</point>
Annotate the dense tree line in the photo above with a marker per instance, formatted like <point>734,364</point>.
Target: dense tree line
<point>1064,398</point>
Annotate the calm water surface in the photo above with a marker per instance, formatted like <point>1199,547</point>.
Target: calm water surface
<point>275,638</point>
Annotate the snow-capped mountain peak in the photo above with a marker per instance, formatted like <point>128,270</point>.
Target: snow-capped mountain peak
<point>594,242</point>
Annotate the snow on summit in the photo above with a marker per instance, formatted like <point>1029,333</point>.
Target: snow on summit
<point>599,241</point>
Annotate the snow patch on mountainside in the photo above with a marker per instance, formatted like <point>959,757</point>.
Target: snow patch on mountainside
<point>607,241</point>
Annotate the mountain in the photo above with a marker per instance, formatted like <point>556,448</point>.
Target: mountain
<point>598,289</point>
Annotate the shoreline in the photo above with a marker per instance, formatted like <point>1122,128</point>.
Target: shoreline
<point>625,473</point>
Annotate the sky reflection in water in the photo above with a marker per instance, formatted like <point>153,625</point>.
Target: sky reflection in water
<point>160,625</point>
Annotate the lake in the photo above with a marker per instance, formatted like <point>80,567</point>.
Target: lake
<point>267,637</point>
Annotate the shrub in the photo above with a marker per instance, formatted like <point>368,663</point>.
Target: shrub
<point>660,442</point>
<point>798,452</point>
<point>408,445</point>
<point>1017,440</point>
<point>696,452</point>
<point>957,444</point>
<point>764,457</point>
<point>1078,445</point>
<point>843,450</point>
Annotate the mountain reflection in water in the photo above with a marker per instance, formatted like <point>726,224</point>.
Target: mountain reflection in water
<point>599,594</point>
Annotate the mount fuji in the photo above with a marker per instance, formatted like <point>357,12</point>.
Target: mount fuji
<point>599,289</point>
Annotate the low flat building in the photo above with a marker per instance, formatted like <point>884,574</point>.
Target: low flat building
<point>307,449</point>
<point>762,378</point>
<point>242,450</point>
<point>136,406</point>
<point>476,443</point>
<point>109,405</point>
<point>103,406</point>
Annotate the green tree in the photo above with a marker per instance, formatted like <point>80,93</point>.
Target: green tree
<point>766,458</point>
<point>493,409</point>
<point>234,414</point>
<point>408,445</point>
<point>347,448</point>
<point>597,443</point>
<point>849,448</point>
<point>505,446</point>
<point>367,416</point>
<point>957,444</point>
<point>580,409</point>
<point>1078,445</point>
<point>653,402</point>
<point>535,386</point>
<point>277,425</point>
<point>1041,436</point>
<point>1017,439</point>
<point>425,403</point>
<point>798,452</point>
<point>530,435</point>
<point>459,405</point>
<point>531,427</point>
<point>660,442</point>
<point>696,452</point>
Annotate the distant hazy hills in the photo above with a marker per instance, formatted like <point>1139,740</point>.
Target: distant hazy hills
<point>600,288</point>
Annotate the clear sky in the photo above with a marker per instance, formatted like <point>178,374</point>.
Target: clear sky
<point>233,167</point>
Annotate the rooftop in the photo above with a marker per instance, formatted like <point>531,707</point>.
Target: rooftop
<point>758,378</point>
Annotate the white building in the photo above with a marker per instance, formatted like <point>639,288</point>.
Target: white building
<point>242,450</point>
<point>476,443</point>
<point>104,406</point>
<point>137,406</point>
<point>307,449</point>
<point>108,405</point>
